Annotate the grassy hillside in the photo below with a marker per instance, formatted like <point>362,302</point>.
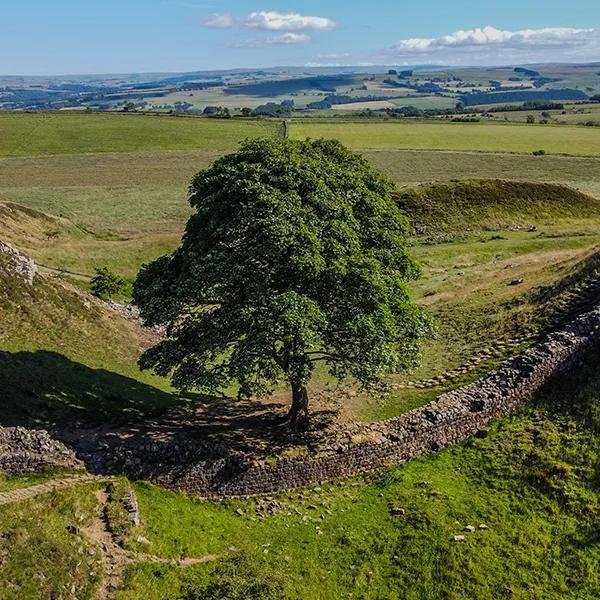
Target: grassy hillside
<point>67,359</point>
<point>28,134</point>
<point>531,481</point>
<point>495,137</point>
<point>41,558</point>
<point>494,205</point>
<point>465,282</point>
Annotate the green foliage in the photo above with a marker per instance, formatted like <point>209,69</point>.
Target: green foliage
<point>297,254</point>
<point>105,284</point>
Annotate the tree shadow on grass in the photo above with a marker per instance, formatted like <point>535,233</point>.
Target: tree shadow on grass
<point>46,389</point>
<point>95,409</point>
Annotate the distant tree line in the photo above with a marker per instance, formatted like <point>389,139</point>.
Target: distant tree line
<point>521,96</point>
<point>334,99</point>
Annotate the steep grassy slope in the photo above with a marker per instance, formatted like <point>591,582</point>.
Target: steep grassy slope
<point>65,358</point>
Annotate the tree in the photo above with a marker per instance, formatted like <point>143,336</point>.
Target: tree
<point>530,119</point>
<point>105,284</point>
<point>296,254</point>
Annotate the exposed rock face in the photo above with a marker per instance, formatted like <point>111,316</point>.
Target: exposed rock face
<point>449,419</point>
<point>17,264</point>
<point>23,450</point>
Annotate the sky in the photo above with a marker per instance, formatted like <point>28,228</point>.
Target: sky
<point>57,37</point>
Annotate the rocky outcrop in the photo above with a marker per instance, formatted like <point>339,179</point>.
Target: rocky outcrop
<point>23,450</point>
<point>14,263</point>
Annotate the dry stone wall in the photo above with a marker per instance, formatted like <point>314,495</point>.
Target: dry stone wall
<point>451,418</point>
<point>23,450</point>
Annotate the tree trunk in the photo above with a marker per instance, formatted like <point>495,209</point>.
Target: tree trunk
<point>297,418</point>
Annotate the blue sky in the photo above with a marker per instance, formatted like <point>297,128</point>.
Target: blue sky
<point>41,37</point>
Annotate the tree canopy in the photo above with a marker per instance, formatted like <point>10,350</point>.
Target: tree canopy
<point>296,254</point>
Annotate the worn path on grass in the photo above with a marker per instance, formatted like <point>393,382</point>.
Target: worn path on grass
<point>21,494</point>
<point>113,558</point>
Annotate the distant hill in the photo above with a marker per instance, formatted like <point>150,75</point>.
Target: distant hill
<point>492,205</point>
<point>519,96</point>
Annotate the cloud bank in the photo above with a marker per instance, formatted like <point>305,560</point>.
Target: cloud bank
<point>482,45</point>
<point>285,39</point>
<point>274,21</point>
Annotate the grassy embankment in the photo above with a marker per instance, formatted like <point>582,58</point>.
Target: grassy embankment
<point>66,360</point>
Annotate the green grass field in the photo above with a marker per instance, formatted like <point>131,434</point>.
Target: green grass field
<point>410,167</point>
<point>464,283</point>
<point>489,137</point>
<point>531,481</point>
<point>74,133</point>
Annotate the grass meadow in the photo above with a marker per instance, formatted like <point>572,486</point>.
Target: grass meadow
<point>27,134</point>
<point>122,209</point>
<point>112,190</point>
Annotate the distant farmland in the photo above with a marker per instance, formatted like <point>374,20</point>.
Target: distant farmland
<point>494,137</point>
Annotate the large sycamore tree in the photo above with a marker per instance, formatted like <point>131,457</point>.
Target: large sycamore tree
<point>296,254</point>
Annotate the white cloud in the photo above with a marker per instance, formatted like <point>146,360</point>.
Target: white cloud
<point>274,21</point>
<point>490,45</point>
<point>285,39</point>
<point>270,21</point>
<point>219,21</point>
